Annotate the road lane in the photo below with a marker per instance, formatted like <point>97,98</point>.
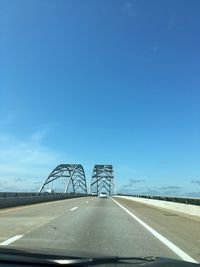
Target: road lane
<point>96,226</point>
<point>21,220</point>
<point>182,254</point>
<point>181,229</point>
<point>99,227</point>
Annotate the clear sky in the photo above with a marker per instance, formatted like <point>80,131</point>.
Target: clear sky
<point>94,82</point>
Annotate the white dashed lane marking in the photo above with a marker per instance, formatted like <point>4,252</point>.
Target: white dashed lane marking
<point>74,208</point>
<point>11,240</point>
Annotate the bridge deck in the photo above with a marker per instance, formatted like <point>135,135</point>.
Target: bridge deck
<point>98,226</point>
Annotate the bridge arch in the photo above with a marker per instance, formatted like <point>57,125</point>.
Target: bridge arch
<point>102,179</point>
<point>66,178</point>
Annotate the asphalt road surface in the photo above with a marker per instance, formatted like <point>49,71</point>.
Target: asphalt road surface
<point>101,227</point>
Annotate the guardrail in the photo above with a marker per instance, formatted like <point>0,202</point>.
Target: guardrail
<point>27,194</point>
<point>12,199</point>
<point>176,199</point>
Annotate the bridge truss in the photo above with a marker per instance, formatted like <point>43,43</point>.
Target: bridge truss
<point>102,179</point>
<point>66,178</point>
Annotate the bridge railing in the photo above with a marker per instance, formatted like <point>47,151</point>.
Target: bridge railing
<point>12,199</point>
<point>30,194</point>
<point>177,199</point>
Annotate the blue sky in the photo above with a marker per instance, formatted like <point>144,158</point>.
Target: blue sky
<point>93,82</point>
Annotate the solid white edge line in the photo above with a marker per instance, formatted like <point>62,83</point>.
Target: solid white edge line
<point>74,208</point>
<point>11,240</point>
<point>184,256</point>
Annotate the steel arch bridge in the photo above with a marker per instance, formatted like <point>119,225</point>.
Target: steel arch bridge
<point>66,178</point>
<point>102,179</point>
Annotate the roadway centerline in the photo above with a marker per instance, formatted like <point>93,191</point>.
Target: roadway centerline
<point>74,208</point>
<point>11,240</point>
<point>160,237</point>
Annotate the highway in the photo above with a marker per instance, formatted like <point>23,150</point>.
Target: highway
<point>101,227</point>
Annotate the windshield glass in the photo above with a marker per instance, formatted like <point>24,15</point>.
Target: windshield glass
<point>100,126</point>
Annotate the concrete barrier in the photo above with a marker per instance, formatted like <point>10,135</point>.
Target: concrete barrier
<point>19,199</point>
<point>178,207</point>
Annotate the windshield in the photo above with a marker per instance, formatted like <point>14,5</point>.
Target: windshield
<point>99,127</point>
